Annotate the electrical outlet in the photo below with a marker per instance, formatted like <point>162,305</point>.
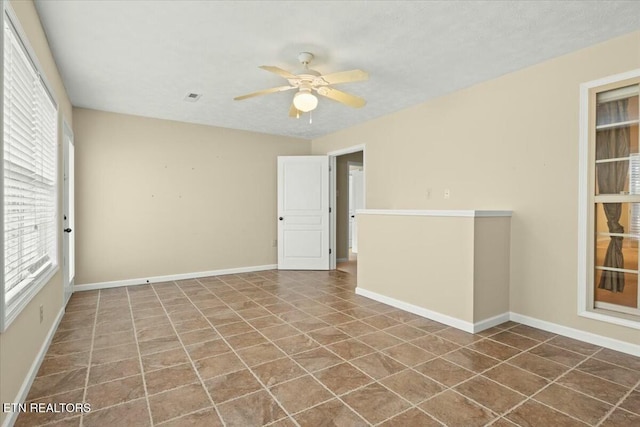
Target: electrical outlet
<point>41,313</point>
<point>447,193</point>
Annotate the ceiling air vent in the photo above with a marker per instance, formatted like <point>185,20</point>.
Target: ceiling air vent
<point>192,97</point>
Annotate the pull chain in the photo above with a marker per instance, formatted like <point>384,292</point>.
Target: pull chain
<point>310,117</point>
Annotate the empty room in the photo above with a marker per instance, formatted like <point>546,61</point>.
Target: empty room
<point>320,213</point>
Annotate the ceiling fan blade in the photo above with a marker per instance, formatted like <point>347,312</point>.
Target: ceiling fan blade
<point>343,97</point>
<point>263,92</point>
<point>294,112</point>
<point>279,71</point>
<point>345,77</point>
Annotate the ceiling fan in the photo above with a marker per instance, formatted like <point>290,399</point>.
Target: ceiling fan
<point>308,81</point>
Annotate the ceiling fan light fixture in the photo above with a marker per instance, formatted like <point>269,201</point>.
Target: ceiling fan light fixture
<point>305,101</point>
<point>308,81</point>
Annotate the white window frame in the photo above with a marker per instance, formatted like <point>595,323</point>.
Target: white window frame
<point>586,304</point>
<point>23,295</point>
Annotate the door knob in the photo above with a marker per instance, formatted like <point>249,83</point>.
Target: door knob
<point>67,230</point>
<point>281,218</point>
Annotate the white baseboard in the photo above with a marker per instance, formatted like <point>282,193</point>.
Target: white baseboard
<point>33,371</point>
<point>491,322</point>
<point>602,341</point>
<point>420,311</point>
<point>169,278</point>
<point>591,338</point>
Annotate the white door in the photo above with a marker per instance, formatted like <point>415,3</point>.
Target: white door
<point>68,223</point>
<point>352,212</point>
<point>303,213</point>
<point>356,198</point>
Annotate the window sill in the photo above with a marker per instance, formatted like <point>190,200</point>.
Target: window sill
<point>13,311</point>
<point>610,318</point>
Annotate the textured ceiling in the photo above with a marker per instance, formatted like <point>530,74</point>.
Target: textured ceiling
<point>143,57</point>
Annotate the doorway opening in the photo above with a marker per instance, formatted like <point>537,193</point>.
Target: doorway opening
<point>347,195</point>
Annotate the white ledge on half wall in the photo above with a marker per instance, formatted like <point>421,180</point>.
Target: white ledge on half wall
<point>436,212</point>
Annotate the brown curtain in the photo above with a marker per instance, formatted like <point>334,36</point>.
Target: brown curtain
<point>612,143</point>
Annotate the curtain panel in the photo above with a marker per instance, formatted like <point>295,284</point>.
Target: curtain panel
<point>612,176</point>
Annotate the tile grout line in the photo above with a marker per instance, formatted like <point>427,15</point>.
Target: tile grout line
<point>135,337</point>
<point>505,361</point>
<point>288,356</point>
<point>193,366</point>
<point>93,338</point>
<point>376,350</point>
<point>244,288</point>
<point>613,406</point>
<point>476,374</point>
<point>117,379</point>
<point>620,401</point>
<point>57,373</point>
<point>325,347</point>
<point>500,362</point>
<point>448,388</point>
<point>349,362</point>
<point>232,350</point>
<point>440,356</point>
<point>554,381</point>
<point>570,369</point>
<point>551,382</point>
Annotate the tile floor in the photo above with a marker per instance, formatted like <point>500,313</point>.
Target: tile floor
<point>300,348</point>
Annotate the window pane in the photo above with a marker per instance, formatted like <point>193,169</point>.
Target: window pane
<point>629,251</point>
<point>617,137</point>
<point>618,177</point>
<point>627,132</point>
<point>625,218</point>
<point>615,106</point>
<point>617,124</point>
<point>628,297</point>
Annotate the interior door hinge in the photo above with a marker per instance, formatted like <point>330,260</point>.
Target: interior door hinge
<point>329,210</point>
<point>329,251</point>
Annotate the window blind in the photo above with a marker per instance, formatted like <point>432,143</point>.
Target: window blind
<point>29,173</point>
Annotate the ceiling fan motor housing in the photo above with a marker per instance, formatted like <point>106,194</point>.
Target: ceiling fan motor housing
<point>305,57</point>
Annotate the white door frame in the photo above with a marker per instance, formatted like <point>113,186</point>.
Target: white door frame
<point>67,282</point>
<point>353,223</point>
<point>350,198</point>
<point>332,193</point>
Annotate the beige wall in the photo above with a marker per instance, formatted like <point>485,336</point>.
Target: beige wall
<point>455,265</point>
<point>342,202</point>
<point>491,240</point>
<point>510,143</point>
<point>424,261</point>
<point>157,197</point>
<point>21,342</point>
